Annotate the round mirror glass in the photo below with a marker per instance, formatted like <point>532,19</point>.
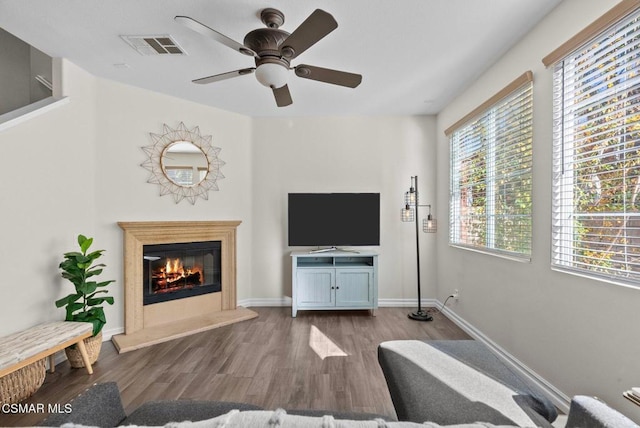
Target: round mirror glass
<point>184,163</point>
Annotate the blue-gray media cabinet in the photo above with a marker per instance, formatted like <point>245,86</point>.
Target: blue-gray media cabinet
<point>334,280</point>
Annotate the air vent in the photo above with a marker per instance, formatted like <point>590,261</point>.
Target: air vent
<point>154,45</point>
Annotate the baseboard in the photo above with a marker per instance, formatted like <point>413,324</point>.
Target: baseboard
<point>559,399</point>
<point>285,301</point>
<point>406,303</point>
<point>276,302</point>
<point>107,333</point>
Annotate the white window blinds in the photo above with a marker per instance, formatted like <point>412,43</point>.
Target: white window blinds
<point>490,181</point>
<point>596,159</point>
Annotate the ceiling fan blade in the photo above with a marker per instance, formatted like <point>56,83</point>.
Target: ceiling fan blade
<point>313,29</point>
<point>224,76</point>
<point>283,96</point>
<point>199,27</point>
<point>327,75</point>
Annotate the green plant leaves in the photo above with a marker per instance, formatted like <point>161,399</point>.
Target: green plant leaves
<point>84,243</point>
<point>84,304</point>
<point>94,301</point>
<point>87,287</point>
<point>68,300</point>
<point>105,283</point>
<point>71,308</point>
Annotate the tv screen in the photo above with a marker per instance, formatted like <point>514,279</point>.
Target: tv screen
<point>334,219</point>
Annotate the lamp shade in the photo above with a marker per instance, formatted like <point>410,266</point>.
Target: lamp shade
<point>272,75</point>
<point>429,225</point>
<point>407,214</point>
<point>411,197</point>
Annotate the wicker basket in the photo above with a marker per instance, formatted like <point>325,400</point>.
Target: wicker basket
<point>22,383</point>
<point>93,345</point>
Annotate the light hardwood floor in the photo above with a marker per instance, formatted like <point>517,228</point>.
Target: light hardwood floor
<point>267,361</point>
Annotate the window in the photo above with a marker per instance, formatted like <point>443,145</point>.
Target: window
<point>490,174</point>
<point>185,176</point>
<point>180,175</point>
<point>596,159</point>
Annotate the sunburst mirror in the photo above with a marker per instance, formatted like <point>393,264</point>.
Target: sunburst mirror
<point>183,163</point>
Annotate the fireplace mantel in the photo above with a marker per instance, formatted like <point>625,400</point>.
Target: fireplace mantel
<point>151,324</point>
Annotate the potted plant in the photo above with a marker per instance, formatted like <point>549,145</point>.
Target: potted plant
<point>85,304</point>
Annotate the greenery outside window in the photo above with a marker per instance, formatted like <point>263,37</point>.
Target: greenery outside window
<point>490,174</point>
<point>596,156</point>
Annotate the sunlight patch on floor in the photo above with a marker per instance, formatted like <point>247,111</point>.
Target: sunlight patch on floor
<point>323,346</point>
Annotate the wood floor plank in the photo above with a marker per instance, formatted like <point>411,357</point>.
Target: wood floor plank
<point>267,361</point>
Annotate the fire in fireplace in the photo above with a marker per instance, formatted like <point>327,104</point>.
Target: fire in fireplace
<point>176,271</point>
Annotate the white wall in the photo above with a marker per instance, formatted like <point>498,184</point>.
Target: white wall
<point>48,197</point>
<point>346,154</point>
<point>81,174</point>
<point>579,334</point>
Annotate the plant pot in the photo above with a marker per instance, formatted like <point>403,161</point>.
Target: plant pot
<point>93,345</point>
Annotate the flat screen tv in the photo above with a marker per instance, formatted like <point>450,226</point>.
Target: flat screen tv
<point>334,219</point>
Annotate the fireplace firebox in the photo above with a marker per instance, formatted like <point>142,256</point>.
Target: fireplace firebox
<point>180,270</point>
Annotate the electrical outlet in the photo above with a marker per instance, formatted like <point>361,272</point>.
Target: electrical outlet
<point>456,294</point>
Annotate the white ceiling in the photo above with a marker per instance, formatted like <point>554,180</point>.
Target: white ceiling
<point>414,55</point>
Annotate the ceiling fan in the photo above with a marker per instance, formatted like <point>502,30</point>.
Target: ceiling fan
<point>273,49</point>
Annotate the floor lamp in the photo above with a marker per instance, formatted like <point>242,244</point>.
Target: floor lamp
<point>410,214</point>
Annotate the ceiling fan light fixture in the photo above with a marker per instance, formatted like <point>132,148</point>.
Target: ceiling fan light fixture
<point>273,49</point>
<point>272,75</point>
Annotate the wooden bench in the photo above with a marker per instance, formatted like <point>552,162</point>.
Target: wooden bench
<point>20,349</point>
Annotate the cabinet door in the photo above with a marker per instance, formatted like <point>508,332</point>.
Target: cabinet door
<point>315,287</point>
<point>354,287</point>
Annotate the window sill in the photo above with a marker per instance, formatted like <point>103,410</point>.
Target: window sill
<point>25,113</point>
<point>593,277</point>
<point>520,259</point>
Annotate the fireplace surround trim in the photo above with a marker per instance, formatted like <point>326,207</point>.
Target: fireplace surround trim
<point>138,234</point>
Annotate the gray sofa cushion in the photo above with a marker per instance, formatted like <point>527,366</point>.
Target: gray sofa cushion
<point>593,413</point>
<point>99,405</point>
<point>476,355</point>
<point>456,382</point>
<point>165,411</point>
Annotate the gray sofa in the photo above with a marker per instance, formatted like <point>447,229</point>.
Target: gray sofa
<point>101,406</point>
<point>443,383</point>
<point>459,381</point>
<point>462,381</point>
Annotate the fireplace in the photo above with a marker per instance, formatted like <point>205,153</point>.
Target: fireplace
<point>147,323</point>
<point>180,270</point>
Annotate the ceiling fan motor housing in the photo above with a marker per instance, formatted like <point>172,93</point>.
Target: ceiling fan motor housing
<point>265,42</point>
